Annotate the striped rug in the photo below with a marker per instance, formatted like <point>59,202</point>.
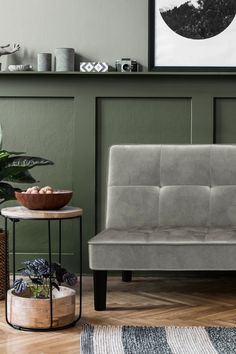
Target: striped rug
<point>157,340</point>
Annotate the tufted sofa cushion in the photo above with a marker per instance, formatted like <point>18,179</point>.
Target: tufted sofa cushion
<point>171,185</point>
<point>164,249</point>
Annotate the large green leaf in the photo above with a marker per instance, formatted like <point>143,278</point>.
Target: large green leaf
<point>21,177</point>
<point>4,154</point>
<point>7,192</point>
<point>17,164</point>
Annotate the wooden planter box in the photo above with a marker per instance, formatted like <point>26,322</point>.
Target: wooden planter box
<point>35,313</point>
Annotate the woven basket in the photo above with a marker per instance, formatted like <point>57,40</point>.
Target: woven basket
<point>3,245</point>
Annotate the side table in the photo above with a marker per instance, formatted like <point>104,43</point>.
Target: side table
<point>15,214</point>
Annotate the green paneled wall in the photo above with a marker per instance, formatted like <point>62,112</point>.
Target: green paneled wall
<point>73,119</point>
<point>225,120</point>
<point>137,121</point>
<point>42,126</point>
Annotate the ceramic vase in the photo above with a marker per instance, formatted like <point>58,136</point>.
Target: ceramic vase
<point>44,62</point>
<point>65,59</point>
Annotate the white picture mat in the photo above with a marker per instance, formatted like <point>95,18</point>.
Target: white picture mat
<point>172,49</point>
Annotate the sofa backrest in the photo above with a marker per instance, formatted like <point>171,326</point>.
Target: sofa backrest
<point>171,185</point>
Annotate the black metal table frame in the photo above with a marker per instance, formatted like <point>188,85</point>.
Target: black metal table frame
<point>49,220</point>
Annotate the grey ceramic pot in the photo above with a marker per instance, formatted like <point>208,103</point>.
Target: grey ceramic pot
<point>65,59</point>
<point>44,62</point>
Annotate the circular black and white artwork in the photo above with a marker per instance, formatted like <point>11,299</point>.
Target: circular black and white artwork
<point>198,19</point>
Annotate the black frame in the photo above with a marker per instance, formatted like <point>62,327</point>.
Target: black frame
<point>7,268</point>
<point>151,51</point>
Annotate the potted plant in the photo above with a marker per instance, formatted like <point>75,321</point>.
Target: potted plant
<point>33,295</point>
<point>14,168</point>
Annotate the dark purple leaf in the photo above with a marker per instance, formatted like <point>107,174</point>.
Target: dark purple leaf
<point>59,274</point>
<point>70,279</point>
<point>26,272</point>
<point>40,262</point>
<point>19,286</point>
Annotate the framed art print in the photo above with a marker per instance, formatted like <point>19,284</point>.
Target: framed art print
<point>192,35</point>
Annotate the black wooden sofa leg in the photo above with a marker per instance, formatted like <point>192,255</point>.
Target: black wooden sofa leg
<point>100,289</point>
<point>127,276</point>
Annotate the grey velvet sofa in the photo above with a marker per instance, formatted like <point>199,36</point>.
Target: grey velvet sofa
<point>169,207</point>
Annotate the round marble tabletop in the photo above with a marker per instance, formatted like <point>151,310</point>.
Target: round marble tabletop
<point>20,212</point>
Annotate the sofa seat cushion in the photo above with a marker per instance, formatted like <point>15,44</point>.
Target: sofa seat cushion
<point>189,248</point>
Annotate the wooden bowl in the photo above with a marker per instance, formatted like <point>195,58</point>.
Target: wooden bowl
<point>54,201</point>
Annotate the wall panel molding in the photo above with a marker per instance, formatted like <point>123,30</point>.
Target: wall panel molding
<point>225,120</point>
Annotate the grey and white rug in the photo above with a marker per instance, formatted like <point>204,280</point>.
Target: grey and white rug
<point>157,340</point>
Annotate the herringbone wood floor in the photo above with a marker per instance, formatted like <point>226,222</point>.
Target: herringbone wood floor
<point>174,301</point>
